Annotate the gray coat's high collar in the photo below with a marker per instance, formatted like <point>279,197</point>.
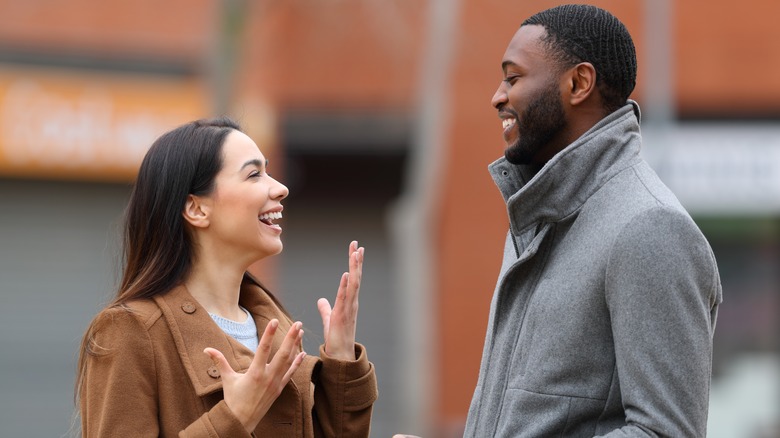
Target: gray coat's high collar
<point>561,187</point>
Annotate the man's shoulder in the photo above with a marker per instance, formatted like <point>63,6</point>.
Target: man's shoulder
<point>663,232</point>
<point>635,190</point>
<point>637,206</point>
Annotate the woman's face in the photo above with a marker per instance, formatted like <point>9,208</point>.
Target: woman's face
<point>246,201</point>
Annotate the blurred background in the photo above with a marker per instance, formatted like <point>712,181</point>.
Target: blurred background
<point>376,114</point>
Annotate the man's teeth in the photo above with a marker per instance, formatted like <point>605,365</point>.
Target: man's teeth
<point>507,123</point>
<point>270,216</point>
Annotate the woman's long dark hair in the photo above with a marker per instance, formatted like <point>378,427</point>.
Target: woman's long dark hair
<point>157,245</point>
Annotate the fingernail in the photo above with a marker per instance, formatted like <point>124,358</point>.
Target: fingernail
<point>274,323</point>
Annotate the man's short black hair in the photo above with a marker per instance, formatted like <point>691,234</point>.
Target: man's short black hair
<point>583,33</point>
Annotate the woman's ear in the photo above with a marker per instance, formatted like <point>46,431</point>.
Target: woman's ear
<point>196,212</point>
<point>582,82</point>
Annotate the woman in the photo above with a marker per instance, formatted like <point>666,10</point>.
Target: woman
<point>193,345</point>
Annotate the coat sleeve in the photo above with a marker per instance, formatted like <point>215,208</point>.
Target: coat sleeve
<point>344,396</point>
<point>663,290</point>
<point>119,392</point>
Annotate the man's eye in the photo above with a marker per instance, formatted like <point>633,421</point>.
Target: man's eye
<point>511,79</point>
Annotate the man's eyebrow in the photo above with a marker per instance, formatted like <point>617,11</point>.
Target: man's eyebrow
<point>506,64</point>
<point>254,162</point>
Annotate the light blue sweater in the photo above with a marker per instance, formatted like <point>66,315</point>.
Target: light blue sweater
<point>243,332</point>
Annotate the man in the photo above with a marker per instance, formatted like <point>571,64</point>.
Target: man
<point>602,319</point>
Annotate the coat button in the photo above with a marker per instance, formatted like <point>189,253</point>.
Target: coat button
<point>188,307</point>
<point>213,372</point>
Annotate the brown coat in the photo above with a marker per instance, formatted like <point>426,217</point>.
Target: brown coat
<point>151,378</point>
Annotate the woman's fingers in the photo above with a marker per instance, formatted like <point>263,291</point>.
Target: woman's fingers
<point>349,286</point>
<point>353,259</point>
<point>349,304</point>
<point>284,358</point>
<point>293,367</point>
<point>355,272</point>
<point>287,359</point>
<point>342,294</point>
<point>323,305</point>
<point>222,364</point>
<point>249,395</point>
<point>264,346</point>
<point>339,323</point>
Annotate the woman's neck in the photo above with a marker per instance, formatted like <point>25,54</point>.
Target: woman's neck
<point>216,286</point>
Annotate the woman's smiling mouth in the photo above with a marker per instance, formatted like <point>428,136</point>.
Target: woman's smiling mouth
<point>269,218</point>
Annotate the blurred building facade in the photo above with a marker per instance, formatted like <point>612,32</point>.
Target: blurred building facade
<point>376,114</point>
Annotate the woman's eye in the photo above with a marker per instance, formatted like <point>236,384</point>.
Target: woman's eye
<point>254,174</point>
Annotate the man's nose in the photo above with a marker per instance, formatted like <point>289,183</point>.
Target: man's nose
<point>499,98</point>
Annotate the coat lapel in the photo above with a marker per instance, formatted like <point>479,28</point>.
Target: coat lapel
<point>193,330</point>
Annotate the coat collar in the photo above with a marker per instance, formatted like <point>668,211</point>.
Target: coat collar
<point>563,185</point>
<point>193,330</point>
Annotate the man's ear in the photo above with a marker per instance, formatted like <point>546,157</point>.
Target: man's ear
<point>196,211</point>
<point>581,82</point>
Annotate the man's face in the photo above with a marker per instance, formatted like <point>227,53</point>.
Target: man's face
<point>528,100</point>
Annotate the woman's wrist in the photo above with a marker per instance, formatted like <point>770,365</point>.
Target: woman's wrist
<point>242,418</point>
<point>347,354</point>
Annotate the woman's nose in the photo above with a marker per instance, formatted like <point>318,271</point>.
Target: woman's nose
<point>279,191</point>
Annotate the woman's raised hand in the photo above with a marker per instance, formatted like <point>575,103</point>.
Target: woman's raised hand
<point>249,395</point>
<point>339,323</point>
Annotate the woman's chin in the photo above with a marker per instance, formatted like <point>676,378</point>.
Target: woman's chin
<point>268,249</point>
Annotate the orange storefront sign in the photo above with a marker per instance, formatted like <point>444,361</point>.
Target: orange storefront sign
<point>83,125</point>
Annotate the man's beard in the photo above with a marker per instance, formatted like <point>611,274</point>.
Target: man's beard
<point>541,121</point>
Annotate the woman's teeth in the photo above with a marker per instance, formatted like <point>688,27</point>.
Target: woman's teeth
<point>270,216</point>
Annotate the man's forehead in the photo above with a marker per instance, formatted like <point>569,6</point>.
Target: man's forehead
<point>527,39</point>
<point>525,48</point>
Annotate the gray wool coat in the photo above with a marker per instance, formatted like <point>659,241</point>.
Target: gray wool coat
<point>602,319</point>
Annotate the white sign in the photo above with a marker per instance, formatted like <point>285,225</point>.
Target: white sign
<point>719,168</point>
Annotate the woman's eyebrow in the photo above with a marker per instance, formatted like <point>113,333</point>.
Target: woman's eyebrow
<point>254,162</point>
